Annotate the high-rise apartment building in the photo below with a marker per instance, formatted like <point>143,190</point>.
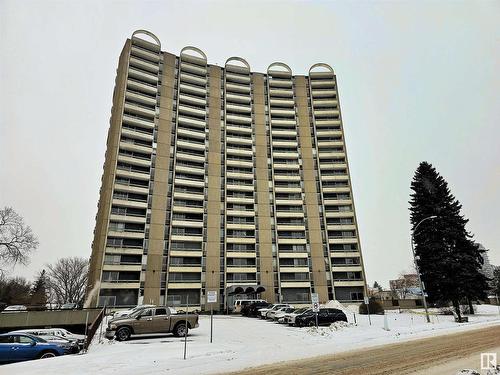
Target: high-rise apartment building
<point>219,178</point>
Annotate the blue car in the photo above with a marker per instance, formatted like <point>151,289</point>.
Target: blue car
<point>16,347</point>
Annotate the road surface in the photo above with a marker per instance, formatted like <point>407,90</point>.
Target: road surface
<point>445,354</point>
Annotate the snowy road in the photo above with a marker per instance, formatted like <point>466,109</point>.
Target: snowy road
<point>442,355</point>
<point>241,343</point>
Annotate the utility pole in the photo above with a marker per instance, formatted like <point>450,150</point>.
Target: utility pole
<point>422,287</point>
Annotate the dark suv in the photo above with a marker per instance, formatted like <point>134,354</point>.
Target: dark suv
<point>325,317</point>
<point>253,308</point>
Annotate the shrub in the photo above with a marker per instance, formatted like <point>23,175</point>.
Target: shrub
<point>375,308</point>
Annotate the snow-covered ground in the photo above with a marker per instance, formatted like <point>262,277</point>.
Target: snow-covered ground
<point>240,342</point>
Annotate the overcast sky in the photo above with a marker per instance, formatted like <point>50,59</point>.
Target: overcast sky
<point>417,81</point>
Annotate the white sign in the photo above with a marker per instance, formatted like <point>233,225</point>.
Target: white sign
<point>315,307</point>
<point>212,296</point>
<point>367,300</point>
<point>314,297</point>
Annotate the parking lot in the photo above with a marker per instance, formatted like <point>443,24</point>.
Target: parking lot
<point>240,342</point>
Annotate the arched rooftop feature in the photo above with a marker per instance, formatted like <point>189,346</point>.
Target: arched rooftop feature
<point>153,38</point>
<point>199,54</point>
<point>243,64</point>
<point>283,69</point>
<point>328,68</point>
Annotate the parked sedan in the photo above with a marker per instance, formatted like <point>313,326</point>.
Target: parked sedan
<point>14,309</point>
<point>280,314</point>
<point>271,313</point>
<point>58,332</point>
<point>263,312</point>
<point>290,317</point>
<point>325,317</point>
<point>17,347</point>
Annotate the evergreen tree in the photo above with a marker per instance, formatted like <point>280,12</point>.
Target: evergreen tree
<point>38,292</point>
<point>448,259</point>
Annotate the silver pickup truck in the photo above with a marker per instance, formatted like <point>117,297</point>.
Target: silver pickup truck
<point>150,320</point>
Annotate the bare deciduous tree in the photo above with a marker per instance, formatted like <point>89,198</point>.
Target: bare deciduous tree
<point>17,241</point>
<point>67,279</point>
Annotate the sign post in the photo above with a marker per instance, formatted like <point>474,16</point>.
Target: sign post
<point>211,299</point>
<point>186,331</point>
<point>315,305</point>
<point>367,303</point>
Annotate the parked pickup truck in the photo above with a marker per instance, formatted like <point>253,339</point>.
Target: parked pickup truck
<point>150,320</point>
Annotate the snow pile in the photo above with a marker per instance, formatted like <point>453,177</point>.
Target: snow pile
<point>328,331</point>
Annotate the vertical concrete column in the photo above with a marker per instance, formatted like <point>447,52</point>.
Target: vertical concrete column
<point>262,187</point>
<point>318,270</point>
<point>152,281</point>
<point>212,269</point>
<point>108,176</point>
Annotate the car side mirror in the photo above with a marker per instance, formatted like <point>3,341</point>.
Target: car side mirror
<point>138,317</point>
<point>33,343</point>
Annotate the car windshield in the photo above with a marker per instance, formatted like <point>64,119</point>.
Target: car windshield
<point>135,313</point>
<point>301,310</point>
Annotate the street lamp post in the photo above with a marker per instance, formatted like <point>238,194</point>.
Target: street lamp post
<point>416,266</point>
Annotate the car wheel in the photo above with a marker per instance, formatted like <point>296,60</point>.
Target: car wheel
<point>47,355</point>
<point>123,334</point>
<point>180,330</point>
<point>312,323</point>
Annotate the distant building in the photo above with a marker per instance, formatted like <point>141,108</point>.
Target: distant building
<point>488,268</point>
<point>406,286</point>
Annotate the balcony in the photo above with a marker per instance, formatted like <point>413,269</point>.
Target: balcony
<point>236,119</point>
<point>191,145</point>
<point>120,284</point>
<point>246,110</point>
<point>121,267</point>
<point>323,84</point>
<point>128,218</point>
<point>145,77</point>
<point>131,189</point>
<point>235,88</point>
<point>195,101</point>
<point>144,65</point>
<point>189,121</point>
<point>190,157</point>
<point>195,196</point>
<point>137,85</point>
<point>145,54</point>
<point>341,283</point>
<point>280,93</point>
<point>243,79</point>
<point>278,83</point>
<point>195,80</point>
<point>295,284</point>
<point>128,145</point>
<point>134,161</point>
<point>125,234</point>
<point>193,68</point>
<point>140,98</point>
<point>187,209</point>
<point>346,268</point>
<point>200,135</point>
<point>192,111</point>
<point>293,269</point>
<point>138,121</point>
<point>137,134</point>
<point>184,285</point>
<point>237,98</point>
<point>140,110</point>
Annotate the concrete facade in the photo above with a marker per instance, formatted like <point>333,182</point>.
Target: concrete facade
<point>222,179</point>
